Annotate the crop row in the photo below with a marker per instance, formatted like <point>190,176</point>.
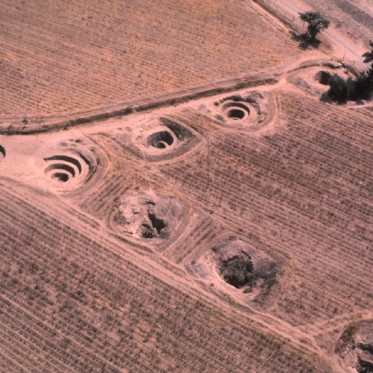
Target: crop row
<point>94,46</point>
<point>283,186</point>
<point>83,283</point>
<point>307,304</point>
<point>196,238</point>
<point>270,213</point>
<point>100,201</point>
<point>314,256</point>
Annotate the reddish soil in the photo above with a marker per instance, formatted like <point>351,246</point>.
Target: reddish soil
<point>175,197</point>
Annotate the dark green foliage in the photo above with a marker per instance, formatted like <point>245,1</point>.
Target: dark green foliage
<point>238,271</point>
<point>339,89</point>
<point>364,366</point>
<point>365,81</point>
<point>343,90</point>
<point>368,56</point>
<point>316,23</point>
<point>363,88</point>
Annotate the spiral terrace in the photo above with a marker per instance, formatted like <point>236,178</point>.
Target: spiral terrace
<point>174,195</point>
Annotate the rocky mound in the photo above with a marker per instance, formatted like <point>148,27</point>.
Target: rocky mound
<point>243,267</point>
<point>147,216</point>
<point>355,347</point>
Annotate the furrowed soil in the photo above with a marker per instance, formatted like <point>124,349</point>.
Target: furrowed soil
<point>60,58</point>
<point>220,218</point>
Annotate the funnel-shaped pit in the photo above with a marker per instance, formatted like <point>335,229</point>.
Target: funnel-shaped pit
<point>160,140</point>
<point>61,176</point>
<point>355,347</point>
<point>2,152</point>
<point>238,270</point>
<point>147,216</point>
<point>64,168</point>
<point>236,111</point>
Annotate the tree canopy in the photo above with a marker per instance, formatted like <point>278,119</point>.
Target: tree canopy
<point>368,56</point>
<point>342,90</point>
<point>316,23</point>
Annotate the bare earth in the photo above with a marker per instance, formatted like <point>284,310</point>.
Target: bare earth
<point>174,195</point>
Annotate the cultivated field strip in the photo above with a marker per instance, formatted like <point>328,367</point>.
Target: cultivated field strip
<point>331,326</point>
<point>199,122</point>
<point>270,173</point>
<point>70,56</point>
<point>114,149</point>
<point>30,337</point>
<point>194,241</point>
<point>259,189</point>
<point>218,182</point>
<point>306,304</point>
<point>302,193</point>
<point>88,220</point>
<point>308,310</point>
<point>115,313</point>
<point>100,201</point>
<point>365,111</point>
<point>9,364</point>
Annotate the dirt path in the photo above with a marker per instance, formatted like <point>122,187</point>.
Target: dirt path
<point>342,47</point>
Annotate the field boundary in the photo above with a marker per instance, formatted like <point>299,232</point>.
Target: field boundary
<point>40,124</point>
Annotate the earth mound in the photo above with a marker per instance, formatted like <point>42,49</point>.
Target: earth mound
<point>158,139</point>
<point>245,268</point>
<point>2,152</point>
<point>355,347</point>
<point>147,216</point>
<point>238,270</point>
<point>249,111</point>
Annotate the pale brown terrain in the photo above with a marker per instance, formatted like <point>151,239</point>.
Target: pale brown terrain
<point>175,197</point>
<point>97,55</point>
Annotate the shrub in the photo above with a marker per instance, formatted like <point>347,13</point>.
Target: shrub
<point>340,89</point>
<point>316,23</point>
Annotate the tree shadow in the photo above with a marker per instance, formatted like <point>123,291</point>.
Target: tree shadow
<point>325,97</point>
<point>305,41</point>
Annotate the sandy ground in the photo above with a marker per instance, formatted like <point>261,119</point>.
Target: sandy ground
<point>348,40</point>
<point>134,214</point>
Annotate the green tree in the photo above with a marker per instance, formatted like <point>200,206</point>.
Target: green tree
<point>316,23</point>
<point>364,83</point>
<point>361,88</point>
<point>368,56</point>
<point>340,89</point>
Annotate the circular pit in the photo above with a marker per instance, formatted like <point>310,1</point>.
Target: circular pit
<point>236,111</point>
<point>161,140</point>
<point>2,152</point>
